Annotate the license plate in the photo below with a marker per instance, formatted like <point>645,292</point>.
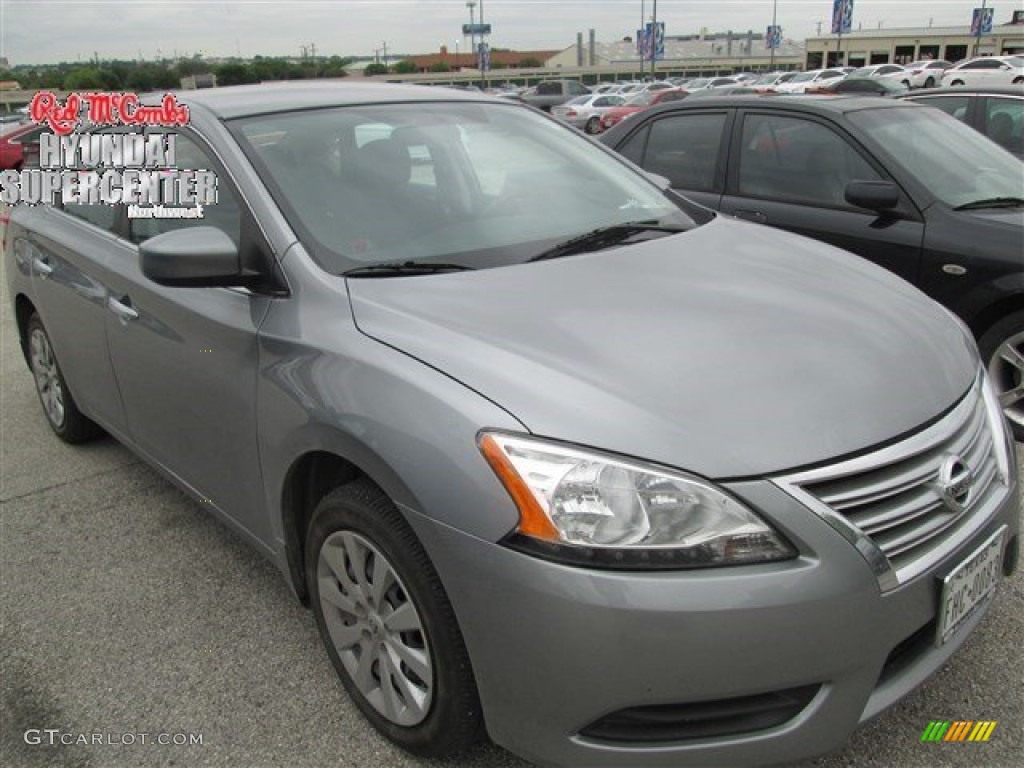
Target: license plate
<point>969,585</point>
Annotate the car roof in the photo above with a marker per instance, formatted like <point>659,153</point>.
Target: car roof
<point>832,104</point>
<point>265,98</point>
<point>969,90</point>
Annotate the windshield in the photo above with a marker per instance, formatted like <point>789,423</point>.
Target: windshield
<point>919,140</point>
<point>476,184</point>
<point>803,77</point>
<point>863,72</point>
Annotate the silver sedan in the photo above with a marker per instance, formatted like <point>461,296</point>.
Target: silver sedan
<point>584,112</point>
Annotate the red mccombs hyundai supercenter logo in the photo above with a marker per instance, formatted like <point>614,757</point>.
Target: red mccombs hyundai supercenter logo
<point>78,165</point>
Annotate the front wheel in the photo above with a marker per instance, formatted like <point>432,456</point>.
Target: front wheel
<point>62,414</point>
<point>387,624</point>
<point>1002,350</point>
<point>1018,80</point>
<point>593,126</point>
<point>957,82</point>
<point>929,83</point>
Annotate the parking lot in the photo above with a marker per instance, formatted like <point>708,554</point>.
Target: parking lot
<point>128,613</point>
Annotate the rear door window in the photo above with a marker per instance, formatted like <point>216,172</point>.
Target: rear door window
<point>685,149</point>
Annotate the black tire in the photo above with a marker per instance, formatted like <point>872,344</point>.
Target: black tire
<point>59,407</point>
<point>357,521</point>
<point>930,82</point>
<point>1018,80</point>
<point>957,82</point>
<point>997,346</point>
<point>593,126</point>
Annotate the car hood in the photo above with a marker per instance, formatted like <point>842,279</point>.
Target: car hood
<point>730,351</point>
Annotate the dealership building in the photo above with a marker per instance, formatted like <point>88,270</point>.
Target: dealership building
<point>901,46</point>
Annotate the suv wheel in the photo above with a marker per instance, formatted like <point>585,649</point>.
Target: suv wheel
<point>1002,350</point>
<point>387,624</point>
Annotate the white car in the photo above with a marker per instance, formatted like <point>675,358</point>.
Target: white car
<point>986,70</point>
<point>810,80</point>
<point>926,73</point>
<point>585,112</point>
<point>883,71</point>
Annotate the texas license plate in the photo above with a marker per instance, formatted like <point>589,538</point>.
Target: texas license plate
<point>969,585</point>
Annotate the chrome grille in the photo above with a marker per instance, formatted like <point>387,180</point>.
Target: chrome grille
<point>891,502</point>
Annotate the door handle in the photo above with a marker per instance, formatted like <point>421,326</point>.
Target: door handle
<point>40,266</point>
<point>755,216</point>
<point>122,308</point>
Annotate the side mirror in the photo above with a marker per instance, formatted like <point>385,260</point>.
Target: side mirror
<point>873,195</point>
<point>195,257</point>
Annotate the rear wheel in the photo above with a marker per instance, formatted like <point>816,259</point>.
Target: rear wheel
<point>593,126</point>
<point>957,82</point>
<point>62,414</point>
<point>1018,80</point>
<point>1002,350</point>
<point>930,82</point>
<point>387,624</point>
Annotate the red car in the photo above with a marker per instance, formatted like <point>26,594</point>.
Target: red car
<point>638,103</point>
<point>18,143</point>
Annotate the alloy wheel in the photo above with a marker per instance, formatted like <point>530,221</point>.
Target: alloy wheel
<point>1006,369</point>
<point>47,376</point>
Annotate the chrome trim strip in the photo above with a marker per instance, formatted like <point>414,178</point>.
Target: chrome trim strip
<point>958,424</point>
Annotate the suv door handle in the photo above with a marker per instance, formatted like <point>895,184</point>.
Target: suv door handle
<point>755,216</point>
<point>40,266</point>
<point>122,308</point>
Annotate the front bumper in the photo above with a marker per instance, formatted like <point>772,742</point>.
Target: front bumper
<point>556,649</point>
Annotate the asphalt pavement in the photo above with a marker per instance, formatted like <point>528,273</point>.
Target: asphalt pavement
<point>130,617</point>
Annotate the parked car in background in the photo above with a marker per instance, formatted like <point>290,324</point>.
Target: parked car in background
<point>19,145</point>
<point>986,70</point>
<point>926,73</point>
<point>996,112</point>
<point>816,78</point>
<point>701,83</point>
<point>881,71</point>
<point>878,86</point>
<point>903,185</point>
<point>639,102</point>
<point>550,93</point>
<point>767,83</point>
<point>584,112</point>
<point>551,453</point>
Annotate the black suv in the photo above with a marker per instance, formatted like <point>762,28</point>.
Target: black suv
<point>904,185</point>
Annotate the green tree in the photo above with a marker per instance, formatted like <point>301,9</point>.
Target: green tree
<point>406,67</point>
<point>375,69</point>
<point>84,78</point>
<point>530,61</point>
<point>440,66</point>
<point>235,74</point>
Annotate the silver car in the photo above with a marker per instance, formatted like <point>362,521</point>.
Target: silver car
<point>584,112</point>
<point>551,453</point>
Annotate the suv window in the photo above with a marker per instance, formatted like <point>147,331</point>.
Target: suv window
<point>100,215</point>
<point>790,158</point>
<point>951,105</point>
<point>684,149</point>
<point>1004,122</point>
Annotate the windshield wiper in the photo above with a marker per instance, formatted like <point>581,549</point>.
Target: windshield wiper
<point>403,268</point>
<point>604,237</point>
<point>991,202</point>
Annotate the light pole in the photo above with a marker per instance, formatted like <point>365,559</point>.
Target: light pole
<point>471,4</point>
<point>771,66</point>
<point>456,54</point>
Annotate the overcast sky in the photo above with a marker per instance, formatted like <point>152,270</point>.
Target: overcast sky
<point>50,31</point>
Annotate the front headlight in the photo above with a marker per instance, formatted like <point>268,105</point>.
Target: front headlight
<point>582,507</point>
